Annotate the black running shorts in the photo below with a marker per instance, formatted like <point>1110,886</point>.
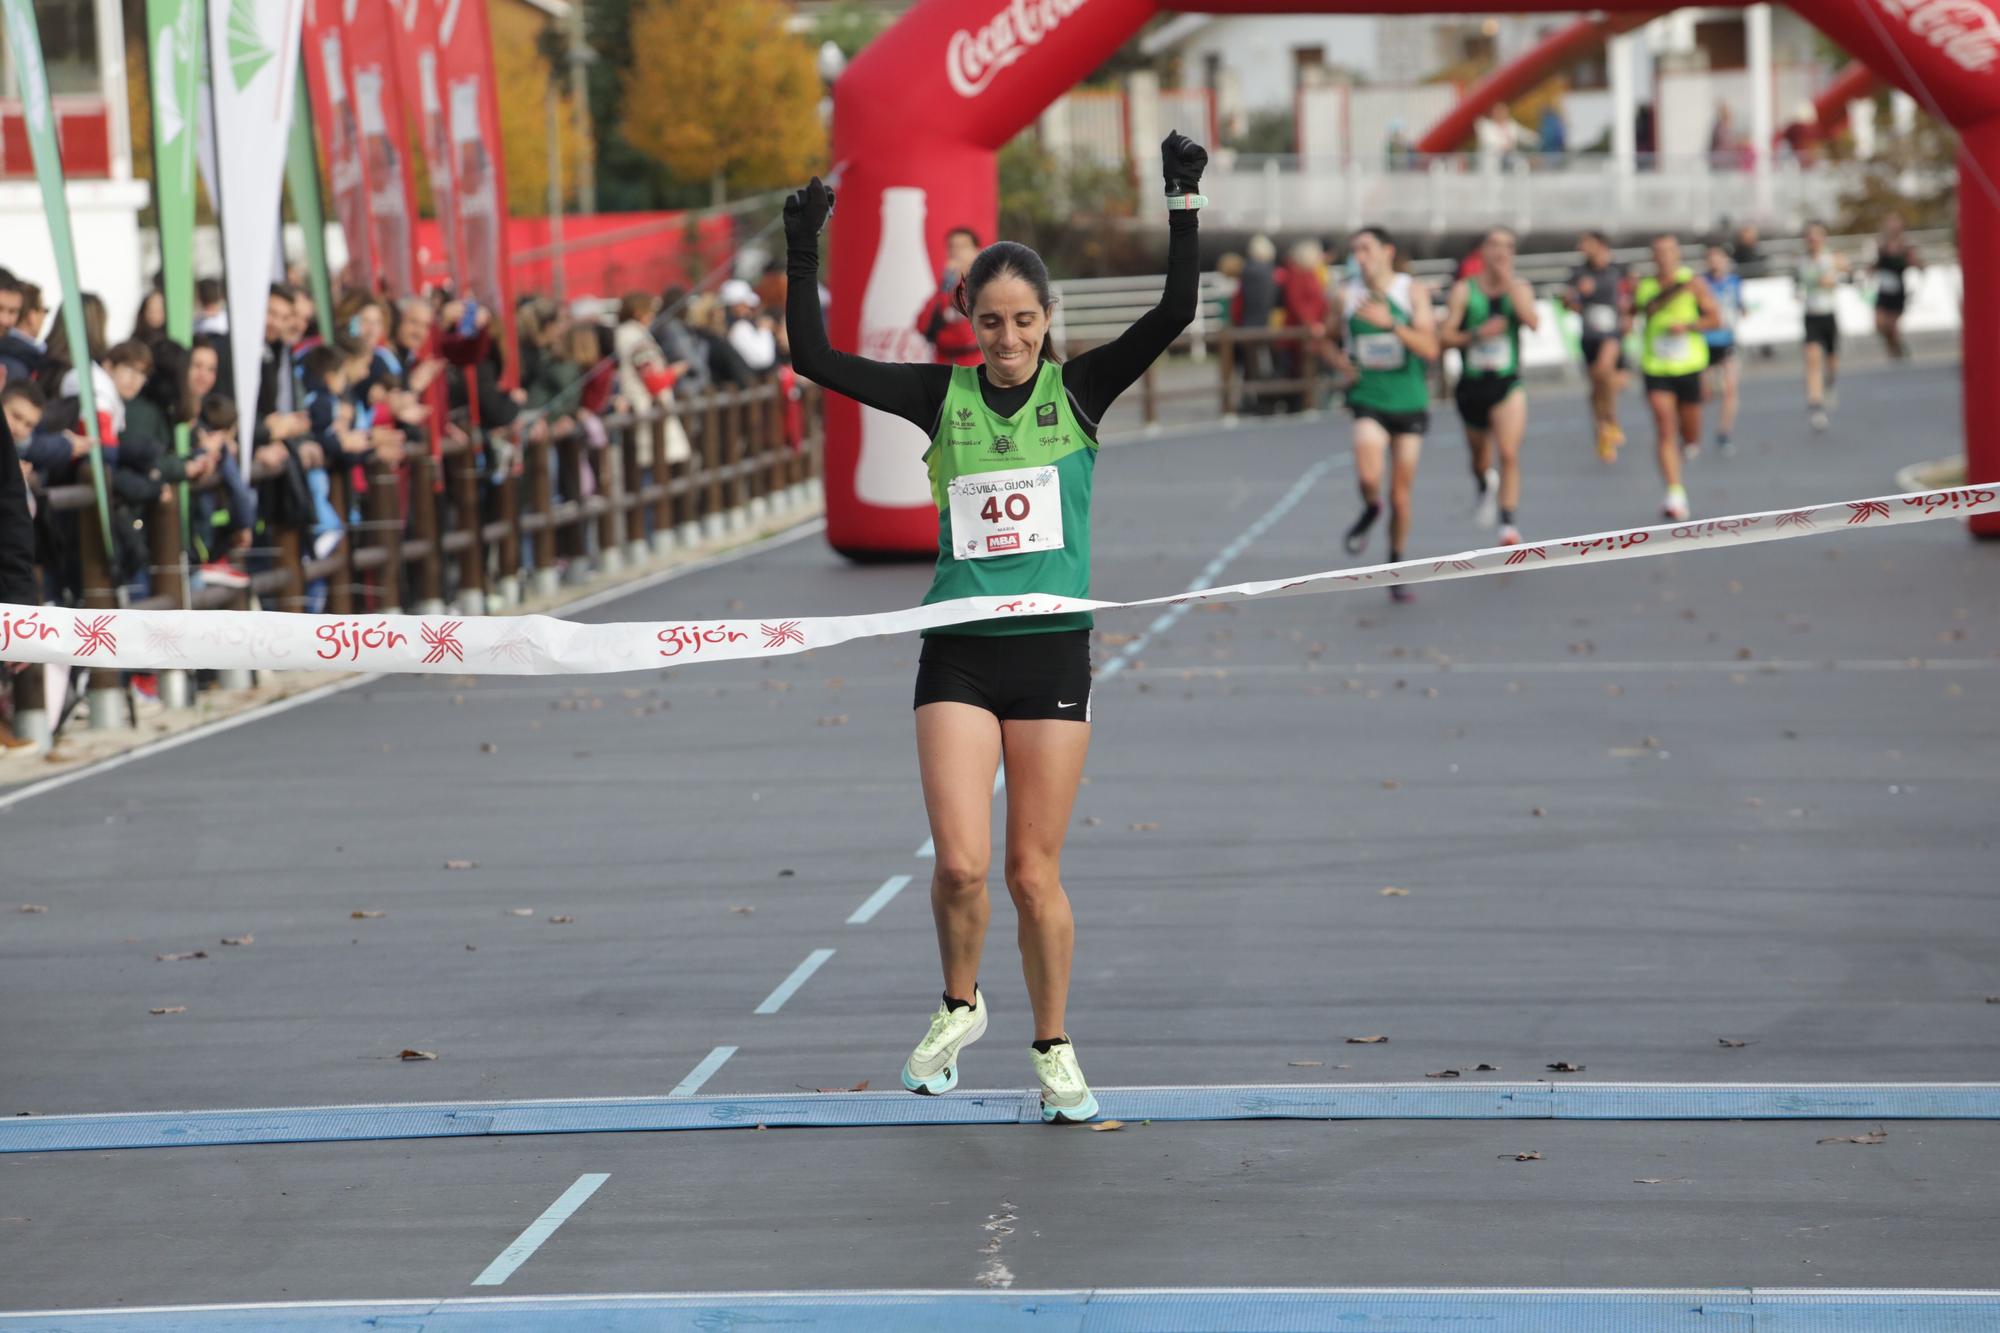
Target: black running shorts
<point>1593,341</point>
<point>1720,352</point>
<point>1015,677</point>
<point>1478,395</point>
<point>1684,388</point>
<point>1824,330</point>
<point>1396,423</point>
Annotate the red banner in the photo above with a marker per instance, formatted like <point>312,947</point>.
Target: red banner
<point>375,85</point>
<point>609,254</point>
<point>422,77</point>
<point>325,62</point>
<point>465,49</point>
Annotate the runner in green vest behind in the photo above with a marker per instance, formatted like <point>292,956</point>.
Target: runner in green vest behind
<point>1388,332</point>
<point>1487,313</point>
<point>1672,307</point>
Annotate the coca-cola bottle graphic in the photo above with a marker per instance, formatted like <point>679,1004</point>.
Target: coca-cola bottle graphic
<point>891,471</point>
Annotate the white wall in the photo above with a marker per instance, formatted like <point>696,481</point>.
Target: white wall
<point>104,226</point>
<point>1260,49</point>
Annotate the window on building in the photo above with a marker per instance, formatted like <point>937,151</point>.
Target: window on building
<point>69,48</point>
<point>1723,42</point>
<point>1308,66</point>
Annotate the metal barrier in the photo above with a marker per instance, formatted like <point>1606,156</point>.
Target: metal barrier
<point>468,525</point>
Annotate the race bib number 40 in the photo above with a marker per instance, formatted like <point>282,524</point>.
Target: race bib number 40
<point>1005,513</point>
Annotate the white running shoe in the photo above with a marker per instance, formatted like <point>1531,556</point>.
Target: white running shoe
<point>1486,509</point>
<point>1819,420</point>
<point>933,1067</point>
<point>1066,1098</point>
<point>1675,506</point>
<point>1510,535</point>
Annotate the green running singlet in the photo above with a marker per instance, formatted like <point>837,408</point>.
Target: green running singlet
<point>1013,498</point>
<point>1391,379</point>
<point>1491,358</point>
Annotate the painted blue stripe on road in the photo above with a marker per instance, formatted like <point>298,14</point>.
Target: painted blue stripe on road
<point>878,900</point>
<point>1558,1310</point>
<point>790,985</point>
<point>703,1072</point>
<point>539,1230</point>
<point>928,849</point>
<point>1367,1101</point>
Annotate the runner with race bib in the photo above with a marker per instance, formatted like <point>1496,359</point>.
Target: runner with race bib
<point>1724,369</point>
<point>1896,265</point>
<point>1673,306</point>
<point>1487,313</point>
<point>1598,292</point>
<point>1013,448</point>
<point>1819,277</point>
<point>1389,334</point>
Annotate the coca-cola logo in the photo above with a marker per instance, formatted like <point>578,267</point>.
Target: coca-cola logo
<point>972,59</point>
<point>1966,31</point>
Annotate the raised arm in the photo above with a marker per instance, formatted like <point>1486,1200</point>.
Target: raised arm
<point>912,392</point>
<point>1454,333</point>
<point>1098,376</point>
<point>1525,308</point>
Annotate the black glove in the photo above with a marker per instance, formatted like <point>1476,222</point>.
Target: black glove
<point>1181,162</point>
<point>806,212</point>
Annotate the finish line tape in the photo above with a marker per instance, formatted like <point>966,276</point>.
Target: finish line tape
<point>542,646</point>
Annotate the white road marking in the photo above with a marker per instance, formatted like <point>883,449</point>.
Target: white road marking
<point>539,1230</point>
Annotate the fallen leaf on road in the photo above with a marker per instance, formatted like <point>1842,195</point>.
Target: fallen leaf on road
<point>1091,821</point>
<point>1523,1156</point>
<point>1102,1125</point>
<point>1538,812</point>
<point>1724,1041</point>
<point>520,911</point>
<point>180,957</point>
<point>1443,1073</point>
<point>1486,1069</point>
<point>1871,1137</point>
<point>461,865</point>
<point>488,747</point>
<point>169,1009</point>
<point>1395,893</point>
<point>33,907</point>
<point>1305,1064</point>
<point>1565,1067</point>
<point>239,939</point>
<point>1647,1180</point>
<point>1390,784</point>
<point>787,873</point>
<point>1366,1041</point>
<point>366,915</point>
<point>1147,827</point>
<point>744,911</point>
<point>837,720</point>
<point>417,1055</point>
<point>561,920</point>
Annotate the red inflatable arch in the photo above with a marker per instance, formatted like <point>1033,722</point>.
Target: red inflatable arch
<point>921,112</point>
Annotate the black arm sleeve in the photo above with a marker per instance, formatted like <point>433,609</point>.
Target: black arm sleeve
<point>912,392</point>
<point>1095,378</point>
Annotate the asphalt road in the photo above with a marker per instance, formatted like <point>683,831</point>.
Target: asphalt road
<point>1637,809</point>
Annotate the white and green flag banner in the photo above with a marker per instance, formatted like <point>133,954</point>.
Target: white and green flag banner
<point>24,41</point>
<point>173,46</point>
<point>253,48</point>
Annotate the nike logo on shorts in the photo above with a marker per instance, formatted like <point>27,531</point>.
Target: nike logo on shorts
<point>1061,704</point>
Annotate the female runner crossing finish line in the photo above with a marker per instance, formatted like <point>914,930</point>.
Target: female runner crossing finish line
<point>1013,450</point>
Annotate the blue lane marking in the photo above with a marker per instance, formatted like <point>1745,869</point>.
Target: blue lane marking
<point>539,1230</point>
<point>929,849</point>
<point>878,900</point>
<point>1352,1101</point>
<point>790,985</point>
<point>1629,1310</point>
<point>703,1072</point>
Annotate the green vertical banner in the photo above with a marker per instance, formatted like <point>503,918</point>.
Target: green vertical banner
<point>173,47</point>
<point>302,181</point>
<point>24,36</point>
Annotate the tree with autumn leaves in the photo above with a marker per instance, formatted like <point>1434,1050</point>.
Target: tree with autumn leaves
<point>723,93</point>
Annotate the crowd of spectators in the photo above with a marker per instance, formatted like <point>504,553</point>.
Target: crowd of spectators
<point>353,394</point>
